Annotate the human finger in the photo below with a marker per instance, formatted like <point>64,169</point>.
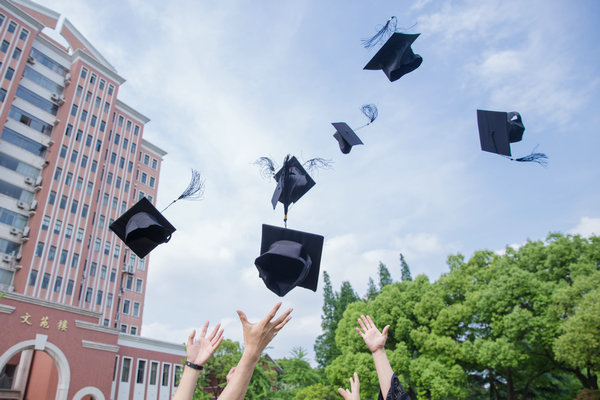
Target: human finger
<point>190,340</point>
<point>343,392</point>
<point>204,329</point>
<point>242,316</point>
<point>282,317</point>
<point>371,321</point>
<point>214,331</point>
<point>385,330</point>
<point>362,323</point>
<point>272,313</point>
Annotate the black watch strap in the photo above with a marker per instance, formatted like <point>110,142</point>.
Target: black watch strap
<point>194,366</point>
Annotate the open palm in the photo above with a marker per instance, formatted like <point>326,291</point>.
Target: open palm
<point>374,339</point>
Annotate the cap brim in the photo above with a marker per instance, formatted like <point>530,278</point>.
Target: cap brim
<point>294,192</point>
<point>280,272</point>
<point>143,239</point>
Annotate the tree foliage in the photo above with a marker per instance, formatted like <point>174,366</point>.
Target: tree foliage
<point>524,324</point>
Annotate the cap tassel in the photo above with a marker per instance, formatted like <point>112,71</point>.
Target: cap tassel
<point>539,158</point>
<point>267,166</point>
<point>370,111</point>
<point>194,191</point>
<point>382,34</point>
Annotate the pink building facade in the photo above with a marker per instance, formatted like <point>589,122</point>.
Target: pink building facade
<point>72,159</point>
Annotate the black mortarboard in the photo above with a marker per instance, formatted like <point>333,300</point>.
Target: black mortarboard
<point>345,136</point>
<point>396,57</point>
<point>142,228</point>
<point>289,258</point>
<point>292,183</point>
<point>498,129</point>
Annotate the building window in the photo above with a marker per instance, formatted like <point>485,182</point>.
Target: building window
<point>120,120</point>
<point>101,220</point>
<point>113,274</point>
<point>52,197</point>
<point>88,140</point>
<point>126,307</point>
<point>105,322</point>
<point>45,222</point>
<point>110,90</point>
<point>101,85</point>
<point>138,285</point>
<point>99,298</point>
<point>84,72</point>
<point>63,202</point>
<point>88,295</point>
<point>93,120</point>
<point>69,231</point>
<point>141,264</point>
<point>125,367</point>
<point>79,183</point>
<point>93,267</point>
<point>106,107</point>
<point>74,109</point>
<point>115,202</point>
<point>129,282</point>
<point>9,73</point>
<point>4,46</point>
<point>84,161</point>
<point>84,115</point>
<point>130,166</point>
<point>57,283</point>
<point>93,79</point>
<point>94,166</point>
<point>152,182</point>
<point>126,188</point>
<point>16,53</point>
<point>123,328</point>
<point>136,309</point>
<point>57,173</point>
<point>51,253</point>
<point>123,206</point>
<point>153,373</point>
<point>84,210</point>
<point>12,26</point>
<point>107,248</point>
<point>109,298</point>
<point>165,374</point>
<point>154,163</point>
<point>118,182</point>
<point>98,145</point>
<point>113,158</point>
<point>80,234</point>
<point>102,126</point>
<point>141,369</point>
<point>70,285</point>
<point>74,155</point>
<point>75,260</point>
<point>33,277</point>
<point>68,179</point>
<point>90,188</point>
<point>117,138</point>
<point>144,177</point>
<point>23,35</point>
<point>74,206</point>
<point>109,177</point>
<point>136,130</point>
<point>45,281</point>
<point>63,256</point>
<point>133,330</point>
<point>78,135</point>
<point>103,272</point>
<point>177,375</point>
<point>97,244</point>
<point>117,251</point>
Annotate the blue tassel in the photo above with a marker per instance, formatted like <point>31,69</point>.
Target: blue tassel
<point>539,158</point>
<point>382,35</point>
<point>370,111</point>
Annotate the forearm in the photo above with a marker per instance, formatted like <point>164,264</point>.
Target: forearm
<point>236,389</point>
<point>187,384</point>
<point>384,370</point>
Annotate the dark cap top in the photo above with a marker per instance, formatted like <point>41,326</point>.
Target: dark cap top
<point>345,136</point>
<point>288,259</point>
<point>142,228</point>
<point>396,57</point>
<point>497,129</point>
<point>292,183</point>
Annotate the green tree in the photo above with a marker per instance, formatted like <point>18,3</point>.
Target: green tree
<point>385,278</point>
<point>334,304</point>
<point>318,391</point>
<point>296,373</point>
<point>372,291</point>
<point>406,276</point>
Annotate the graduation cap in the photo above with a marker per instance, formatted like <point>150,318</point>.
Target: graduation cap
<point>346,136</point>
<point>143,227</point>
<point>292,179</point>
<point>498,129</point>
<point>289,258</point>
<point>396,57</point>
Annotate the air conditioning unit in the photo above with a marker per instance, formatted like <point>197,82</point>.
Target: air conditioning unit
<point>56,121</point>
<point>128,269</point>
<point>22,205</point>
<point>38,180</point>
<point>54,97</point>
<point>29,181</point>
<point>31,60</point>
<point>7,258</point>
<point>25,233</point>
<point>45,164</point>
<point>61,100</point>
<point>14,231</point>
<point>33,205</point>
<point>67,79</point>
<point>18,266</point>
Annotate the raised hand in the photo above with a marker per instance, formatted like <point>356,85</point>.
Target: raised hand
<point>374,339</point>
<point>354,392</point>
<point>258,335</point>
<point>199,350</point>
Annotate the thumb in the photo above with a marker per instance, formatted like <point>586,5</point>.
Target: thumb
<point>385,330</point>
<point>242,316</point>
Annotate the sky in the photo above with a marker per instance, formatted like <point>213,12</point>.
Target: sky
<point>227,82</point>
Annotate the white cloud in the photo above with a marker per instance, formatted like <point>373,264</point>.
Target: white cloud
<point>587,227</point>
